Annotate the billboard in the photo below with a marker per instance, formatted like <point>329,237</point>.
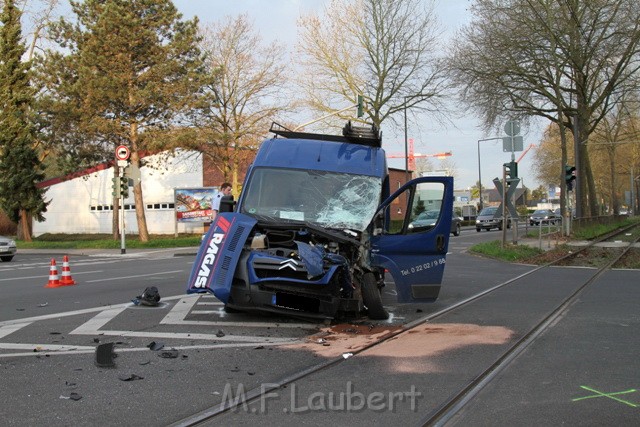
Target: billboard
<point>194,204</point>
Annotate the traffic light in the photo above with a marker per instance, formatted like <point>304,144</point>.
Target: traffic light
<point>124,186</point>
<point>569,176</point>
<point>115,187</point>
<point>511,170</point>
<point>360,106</point>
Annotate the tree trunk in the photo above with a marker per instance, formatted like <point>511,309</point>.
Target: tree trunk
<point>24,226</point>
<point>611,151</point>
<point>143,232</point>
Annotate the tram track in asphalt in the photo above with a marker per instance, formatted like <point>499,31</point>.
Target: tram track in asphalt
<point>458,400</point>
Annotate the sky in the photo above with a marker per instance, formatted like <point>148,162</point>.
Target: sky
<point>276,20</point>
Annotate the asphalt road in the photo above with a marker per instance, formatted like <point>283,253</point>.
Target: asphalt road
<point>48,338</point>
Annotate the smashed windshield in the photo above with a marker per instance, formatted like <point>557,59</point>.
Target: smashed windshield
<point>330,199</point>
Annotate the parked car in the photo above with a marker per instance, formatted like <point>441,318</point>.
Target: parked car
<point>489,218</point>
<point>7,249</point>
<point>429,219</point>
<point>544,216</point>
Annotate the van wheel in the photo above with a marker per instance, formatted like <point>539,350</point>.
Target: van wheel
<point>456,232</point>
<point>372,298</point>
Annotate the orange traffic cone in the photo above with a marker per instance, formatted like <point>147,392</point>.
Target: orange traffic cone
<point>53,276</point>
<point>66,278</point>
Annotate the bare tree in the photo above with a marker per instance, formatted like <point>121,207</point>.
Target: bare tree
<point>382,49</point>
<point>565,60</point>
<point>244,95</point>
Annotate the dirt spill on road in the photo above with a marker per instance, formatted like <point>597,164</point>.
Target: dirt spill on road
<point>411,351</point>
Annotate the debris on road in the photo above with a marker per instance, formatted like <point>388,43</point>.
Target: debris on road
<point>130,377</point>
<point>155,346</point>
<point>150,297</point>
<point>105,355</point>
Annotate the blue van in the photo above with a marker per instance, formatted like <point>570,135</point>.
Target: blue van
<point>315,231</point>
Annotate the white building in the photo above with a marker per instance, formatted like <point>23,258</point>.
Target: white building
<point>83,202</point>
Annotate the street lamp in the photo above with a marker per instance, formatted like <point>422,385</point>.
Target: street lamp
<point>479,169</point>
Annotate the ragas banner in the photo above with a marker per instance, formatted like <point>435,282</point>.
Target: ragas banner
<point>194,204</point>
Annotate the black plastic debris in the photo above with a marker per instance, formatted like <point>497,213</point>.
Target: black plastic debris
<point>72,396</point>
<point>130,377</point>
<point>168,354</point>
<point>105,355</point>
<point>155,346</point>
<point>220,333</point>
<point>150,297</point>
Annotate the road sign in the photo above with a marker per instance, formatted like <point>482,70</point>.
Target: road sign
<point>122,152</point>
<point>511,189</point>
<point>512,128</point>
<point>512,143</point>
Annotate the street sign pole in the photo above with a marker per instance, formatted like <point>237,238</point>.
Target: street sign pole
<point>122,157</point>
<point>505,196</point>
<point>123,247</point>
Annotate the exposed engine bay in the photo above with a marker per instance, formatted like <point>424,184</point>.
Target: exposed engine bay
<point>296,260</point>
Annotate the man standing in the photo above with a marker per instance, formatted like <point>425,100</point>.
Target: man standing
<point>225,190</point>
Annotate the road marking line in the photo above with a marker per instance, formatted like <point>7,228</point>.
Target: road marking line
<point>137,349</point>
<point>608,395</point>
<point>188,336</point>
<point>182,308</point>
<point>44,347</point>
<point>98,321</point>
<point>41,276</point>
<point>247,324</point>
<point>131,277</point>
<point>94,325</point>
<point>207,312</point>
<point>9,329</point>
<point>77,312</point>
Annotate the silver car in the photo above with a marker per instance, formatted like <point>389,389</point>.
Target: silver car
<point>428,219</point>
<point>544,216</point>
<point>487,219</point>
<point>7,249</point>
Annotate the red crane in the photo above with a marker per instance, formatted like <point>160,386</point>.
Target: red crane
<point>525,152</point>
<point>412,156</point>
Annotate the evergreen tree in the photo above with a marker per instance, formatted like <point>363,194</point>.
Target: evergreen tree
<point>127,71</point>
<point>20,167</point>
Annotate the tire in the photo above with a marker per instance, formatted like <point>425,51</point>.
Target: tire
<point>456,232</point>
<point>6,258</point>
<point>372,298</point>
<point>231,310</point>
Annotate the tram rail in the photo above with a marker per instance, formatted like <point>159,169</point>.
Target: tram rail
<point>458,400</point>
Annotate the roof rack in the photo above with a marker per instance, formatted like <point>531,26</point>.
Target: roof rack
<point>363,135</point>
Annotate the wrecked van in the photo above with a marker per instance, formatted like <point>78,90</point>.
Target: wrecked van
<point>315,231</point>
